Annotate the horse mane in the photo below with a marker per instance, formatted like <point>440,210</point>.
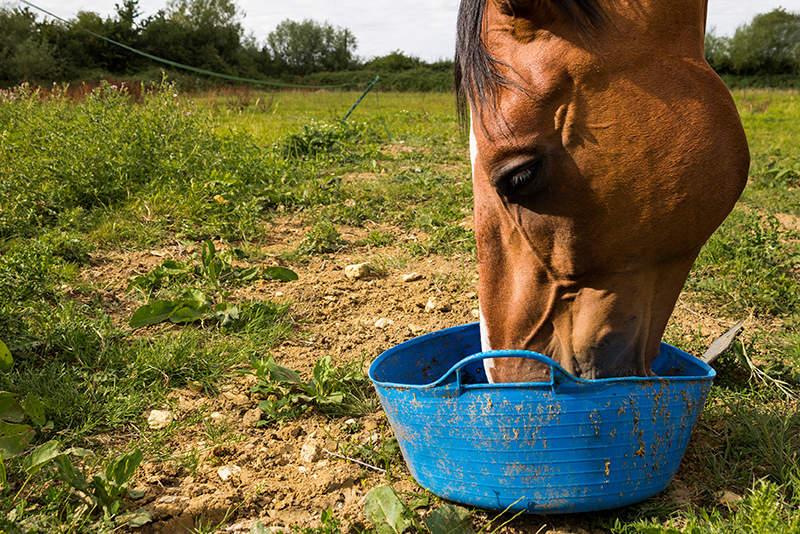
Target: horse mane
<point>477,73</point>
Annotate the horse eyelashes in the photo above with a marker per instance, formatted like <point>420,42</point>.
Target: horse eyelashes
<point>528,180</point>
<point>521,178</point>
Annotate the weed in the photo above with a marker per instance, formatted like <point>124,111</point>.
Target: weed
<point>340,140</point>
<point>103,491</point>
<point>192,305</point>
<point>209,527</point>
<point>329,525</point>
<point>323,237</point>
<point>382,453</point>
<point>333,391</point>
<point>376,239</point>
<point>747,440</point>
<point>445,240</point>
<point>390,514</point>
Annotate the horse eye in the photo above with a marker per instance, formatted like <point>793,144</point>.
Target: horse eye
<point>525,180</point>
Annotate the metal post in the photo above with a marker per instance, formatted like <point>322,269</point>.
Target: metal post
<point>361,97</point>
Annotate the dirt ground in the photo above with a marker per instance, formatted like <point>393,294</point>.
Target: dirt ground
<point>287,475</point>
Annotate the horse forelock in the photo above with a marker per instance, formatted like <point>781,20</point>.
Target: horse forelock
<point>478,75</point>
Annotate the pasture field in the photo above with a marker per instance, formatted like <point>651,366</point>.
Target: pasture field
<point>162,370</point>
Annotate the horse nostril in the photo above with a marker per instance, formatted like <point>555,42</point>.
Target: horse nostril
<point>526,179</point>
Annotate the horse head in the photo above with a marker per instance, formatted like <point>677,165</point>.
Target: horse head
<point>605,152</point>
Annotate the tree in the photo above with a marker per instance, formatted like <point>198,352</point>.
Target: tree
<point>770,44</point>
<point>199,14</point>
<point>717,51</point>
<point>24,53</point>
<point>394,62</point>
<point>307,47</point>
<point>201,33</point>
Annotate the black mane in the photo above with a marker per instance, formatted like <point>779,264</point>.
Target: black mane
<point>477,73</point>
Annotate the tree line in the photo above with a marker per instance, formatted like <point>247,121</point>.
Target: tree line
<point>208,34</point>
<point>768,45</point>
<point>205,34</point>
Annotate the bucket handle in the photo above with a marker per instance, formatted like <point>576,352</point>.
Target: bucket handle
<point>558,375</point>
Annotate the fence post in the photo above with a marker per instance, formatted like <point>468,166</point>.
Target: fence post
<point>361,97</point>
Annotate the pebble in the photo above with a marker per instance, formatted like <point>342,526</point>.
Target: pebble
<point>159,419</point>
<point>435,304</point>
<point>412,277</point>
<point>383,322</point>
<point>357,271</point>
<point>415,328</point>
<point>252,417</point>
<point>169,499</point>
<point>227,471</point>
<point>237,398</point>
<point>728,498</point>
<point>311,451</point>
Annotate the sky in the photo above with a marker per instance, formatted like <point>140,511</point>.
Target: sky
<point>421,28</point>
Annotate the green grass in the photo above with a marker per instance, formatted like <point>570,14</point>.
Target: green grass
<point>108,174</point>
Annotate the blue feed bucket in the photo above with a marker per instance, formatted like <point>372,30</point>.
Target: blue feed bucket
<point>567,445</point>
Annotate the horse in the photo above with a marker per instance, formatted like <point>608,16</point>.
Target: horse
<point>605,151</point>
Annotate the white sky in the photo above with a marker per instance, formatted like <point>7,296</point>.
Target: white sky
<point>422,28</point>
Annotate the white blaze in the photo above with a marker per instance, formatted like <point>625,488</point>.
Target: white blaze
<point>488,364</point>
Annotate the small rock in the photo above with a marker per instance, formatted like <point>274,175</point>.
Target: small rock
<point>430,307</point>
<point>237,398</point>
<point>170,499</point>
<point>383,323</point>
<point>159,419</point>
<point>227,471</point>
<point>476,314</point>
<point>435,304</point>
<point>252,417</point>
<point>415,328</point>
<point>243,526</point>
<point>311,451</point>
<point>278,294</point>
<point>729,498</point>
<point>357,271</point>
<point>412,277</point>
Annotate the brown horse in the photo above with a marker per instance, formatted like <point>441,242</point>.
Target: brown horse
<point>605,152</point>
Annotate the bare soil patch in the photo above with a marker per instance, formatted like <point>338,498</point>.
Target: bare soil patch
<point>222,468</point>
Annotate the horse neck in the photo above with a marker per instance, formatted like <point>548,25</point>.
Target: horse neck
<point>677,25</point>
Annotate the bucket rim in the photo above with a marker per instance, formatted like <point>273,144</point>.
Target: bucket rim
<point>557,376</point>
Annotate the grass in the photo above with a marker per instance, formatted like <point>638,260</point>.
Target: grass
<point>106,174</point>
